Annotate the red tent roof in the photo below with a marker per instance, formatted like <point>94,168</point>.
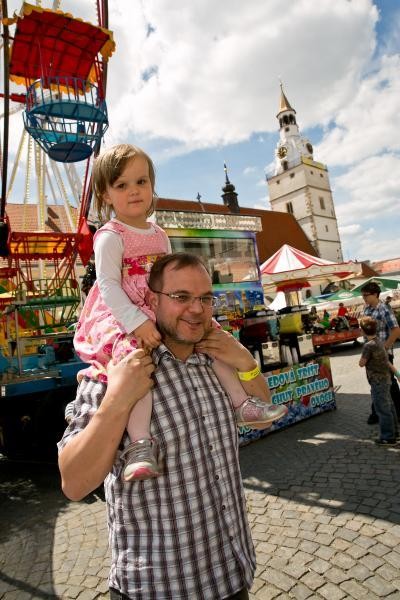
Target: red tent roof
<point>52,43</point>
<point>290,269</point>
<point>288,258</point>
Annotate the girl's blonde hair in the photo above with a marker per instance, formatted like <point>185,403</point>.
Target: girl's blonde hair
<point>107,167</point>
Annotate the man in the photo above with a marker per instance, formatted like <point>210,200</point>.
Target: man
<point>183,535</point>
<point>388,332</point>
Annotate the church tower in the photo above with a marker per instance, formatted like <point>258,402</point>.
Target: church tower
<point>300,186</point>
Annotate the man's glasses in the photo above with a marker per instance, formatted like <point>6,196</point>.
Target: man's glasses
<point>187,299</point>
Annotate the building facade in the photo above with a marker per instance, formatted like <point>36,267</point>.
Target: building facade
<point>300,186</point>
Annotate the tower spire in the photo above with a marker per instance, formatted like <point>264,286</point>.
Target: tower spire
<point>284,103</point>
<point>300,186</point>
<point>230,196</point>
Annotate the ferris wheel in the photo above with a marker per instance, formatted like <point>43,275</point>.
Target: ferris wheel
<point>60,116</point>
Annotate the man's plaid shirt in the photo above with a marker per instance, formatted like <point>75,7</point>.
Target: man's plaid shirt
<point>385,319</point>
<point>183,535</point>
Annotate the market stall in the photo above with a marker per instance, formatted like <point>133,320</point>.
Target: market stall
<point>352,302</point>
<point>290,271</point>
<point>281,343</point>
<point>306,389</point>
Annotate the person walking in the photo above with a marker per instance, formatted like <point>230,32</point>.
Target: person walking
<point>388,331</point>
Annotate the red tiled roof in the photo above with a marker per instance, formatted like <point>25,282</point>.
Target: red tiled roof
<point>25,218</point>
<point>392,265</point>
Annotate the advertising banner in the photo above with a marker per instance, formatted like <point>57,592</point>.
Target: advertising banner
<point>306,389</point>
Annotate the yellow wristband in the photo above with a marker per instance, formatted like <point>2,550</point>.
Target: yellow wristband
<point>249,375</point>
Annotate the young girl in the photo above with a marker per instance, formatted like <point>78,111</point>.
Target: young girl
<point>116,317</point>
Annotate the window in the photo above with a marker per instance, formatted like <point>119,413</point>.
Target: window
<point>230,260</point>
<point>292,175</point>
<point>289,207</point>
<point>322,202</point>
<point>321,175</point>
<point>326,228</point>
<point>278,181</point>
<point>312,172</point>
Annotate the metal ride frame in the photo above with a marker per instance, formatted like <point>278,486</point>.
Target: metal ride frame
<point>22,251</point>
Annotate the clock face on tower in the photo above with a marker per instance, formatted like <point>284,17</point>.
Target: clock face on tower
<point>282,152</point>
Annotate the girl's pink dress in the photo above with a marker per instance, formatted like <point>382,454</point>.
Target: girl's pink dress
<point>99,336</point>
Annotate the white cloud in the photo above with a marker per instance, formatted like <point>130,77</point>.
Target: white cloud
<point>368,218</point>
<point>371,245</point>
<point>261,204</point>
<point>202,80</point>
<point>350,230</point>
<point>249,170</point>
<point>371,188</point>
<point>369,123</point>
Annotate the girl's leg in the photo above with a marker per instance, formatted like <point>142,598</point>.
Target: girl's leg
<point>249,411</point>
<point>138,425</point>
<point>230,382</point>
<point>139,420</point>
<point>141,455</point>
<point>141,460</point>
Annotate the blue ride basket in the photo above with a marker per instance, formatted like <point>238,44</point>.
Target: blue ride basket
<point>66,116</point>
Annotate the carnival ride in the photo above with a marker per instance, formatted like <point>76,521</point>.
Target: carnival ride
<point>61,62</point>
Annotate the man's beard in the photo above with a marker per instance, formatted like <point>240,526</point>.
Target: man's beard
<point>173,335</point>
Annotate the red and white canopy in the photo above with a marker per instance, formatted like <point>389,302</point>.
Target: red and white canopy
<point>290,269</point>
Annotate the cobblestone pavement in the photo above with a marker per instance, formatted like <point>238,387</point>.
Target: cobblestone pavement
<point>323,503</point>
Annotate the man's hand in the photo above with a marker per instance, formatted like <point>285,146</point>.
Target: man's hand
<point>222,345</point>
<point>88,456</point>
<point>130,379</point>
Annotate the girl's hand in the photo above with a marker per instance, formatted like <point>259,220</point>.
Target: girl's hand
<point>220,344</point>
<point>147,335</point>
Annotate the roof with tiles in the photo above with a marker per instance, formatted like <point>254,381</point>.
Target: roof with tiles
<point>278,228</point>
<point>25,217</point>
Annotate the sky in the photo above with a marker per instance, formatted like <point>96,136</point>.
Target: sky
<point>197,84</point>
